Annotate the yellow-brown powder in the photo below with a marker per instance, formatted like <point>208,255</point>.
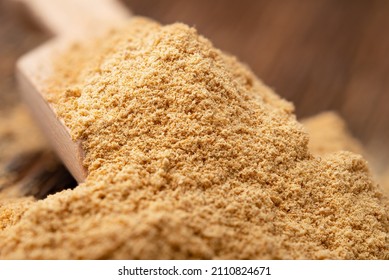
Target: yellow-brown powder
<point>191,156</point>
<point>15,128</point>
<point>384,180</point>
<point>328,133</point>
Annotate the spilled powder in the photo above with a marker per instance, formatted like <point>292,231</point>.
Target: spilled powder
<point>328,133</point>
<point>384,180</point>
<point>15,128</point>
<point>191,156</point>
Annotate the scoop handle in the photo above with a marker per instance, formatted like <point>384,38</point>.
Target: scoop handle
<point>75,18</point>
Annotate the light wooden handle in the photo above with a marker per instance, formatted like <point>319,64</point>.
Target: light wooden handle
<point>66,20</point>
<point>76,18</point>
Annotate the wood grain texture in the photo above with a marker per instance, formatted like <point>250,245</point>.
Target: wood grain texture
<point>37,173</point>
<point>17,36</point>
<point>74,18</point>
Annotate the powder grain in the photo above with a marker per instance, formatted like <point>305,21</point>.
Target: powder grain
<point>328,133</point>
<point>191,156</point>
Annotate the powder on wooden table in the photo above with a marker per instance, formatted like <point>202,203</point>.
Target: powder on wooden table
<point>191,156</point>
<point>15,128</point>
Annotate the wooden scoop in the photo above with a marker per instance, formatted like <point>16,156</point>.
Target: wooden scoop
<point>67,20</point>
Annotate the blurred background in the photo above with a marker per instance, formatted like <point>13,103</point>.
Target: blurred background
<point>321,54</point>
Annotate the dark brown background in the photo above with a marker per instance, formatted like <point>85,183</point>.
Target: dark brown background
<point>320,54</point>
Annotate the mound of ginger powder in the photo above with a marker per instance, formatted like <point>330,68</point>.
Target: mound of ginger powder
<point>190,156</point>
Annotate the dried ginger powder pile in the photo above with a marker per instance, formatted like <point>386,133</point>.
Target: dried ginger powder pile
<point>191,156</point>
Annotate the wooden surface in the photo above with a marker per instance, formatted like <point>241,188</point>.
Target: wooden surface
<point>74,18</point>
<point>32,71</point>
<point>17,36</point>
<point>321,54</point>
<point>66,20</point>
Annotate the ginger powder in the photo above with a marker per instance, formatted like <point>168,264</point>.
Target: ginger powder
<point>190,156</point>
